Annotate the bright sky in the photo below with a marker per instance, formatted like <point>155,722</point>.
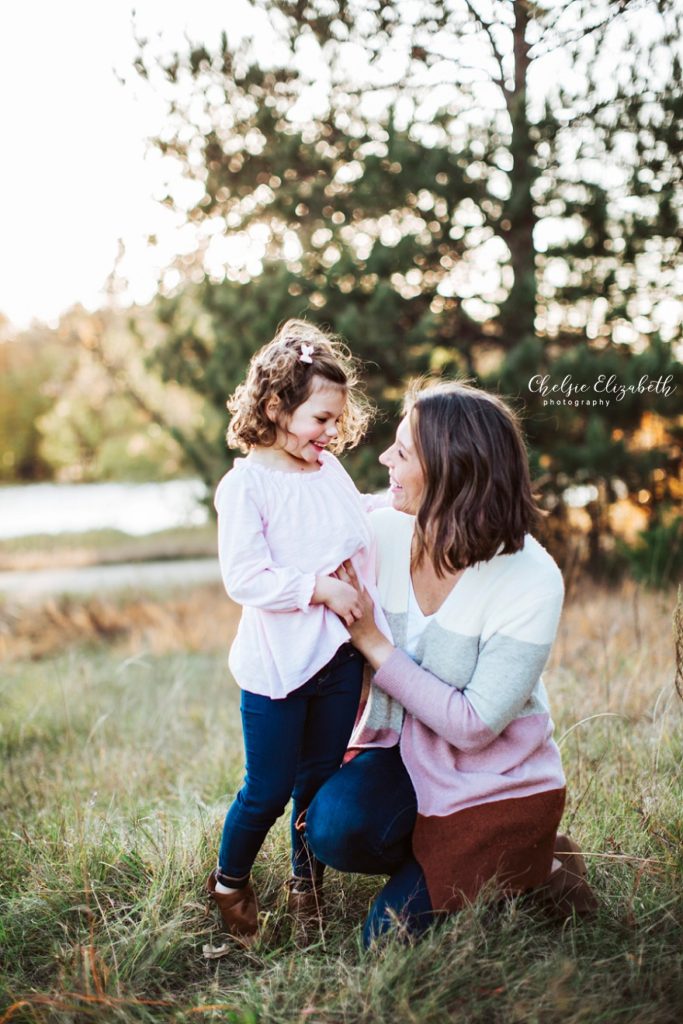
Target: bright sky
<point>73,174</point>
<point>75,177</point>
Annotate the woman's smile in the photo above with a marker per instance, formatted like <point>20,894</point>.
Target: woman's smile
<point>406,476</point>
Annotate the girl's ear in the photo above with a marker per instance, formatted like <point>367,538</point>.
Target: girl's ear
<point>273,408</point>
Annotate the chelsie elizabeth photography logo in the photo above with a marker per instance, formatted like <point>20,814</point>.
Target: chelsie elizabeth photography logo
<point>604,389</point>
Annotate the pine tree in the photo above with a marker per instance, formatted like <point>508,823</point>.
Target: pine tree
<point>487,188</point>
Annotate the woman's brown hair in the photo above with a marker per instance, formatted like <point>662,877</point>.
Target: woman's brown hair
<point>278,371</point>
<point>478,497</point>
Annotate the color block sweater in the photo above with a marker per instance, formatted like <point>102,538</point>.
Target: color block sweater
<point>470,710</point>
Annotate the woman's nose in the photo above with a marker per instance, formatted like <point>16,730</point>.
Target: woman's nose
<point>384,457</point>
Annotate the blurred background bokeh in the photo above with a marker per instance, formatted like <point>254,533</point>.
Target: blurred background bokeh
<point>489,190</point>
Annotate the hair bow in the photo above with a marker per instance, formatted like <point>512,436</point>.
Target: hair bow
<point>306,353</point>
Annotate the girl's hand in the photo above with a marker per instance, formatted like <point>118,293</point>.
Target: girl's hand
<point>339,596</point>
<point>365,635</point>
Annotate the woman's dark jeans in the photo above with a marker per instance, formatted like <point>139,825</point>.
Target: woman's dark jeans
<point>362,820</point>
<point>292,747</point>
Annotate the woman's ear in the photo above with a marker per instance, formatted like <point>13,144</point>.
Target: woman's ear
<point>273,408</point>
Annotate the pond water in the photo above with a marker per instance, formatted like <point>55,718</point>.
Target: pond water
<point>133,508</point>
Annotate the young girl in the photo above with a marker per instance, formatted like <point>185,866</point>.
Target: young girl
<point>288,516</point>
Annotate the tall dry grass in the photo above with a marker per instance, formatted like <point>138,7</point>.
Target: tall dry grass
<point>121,746</point>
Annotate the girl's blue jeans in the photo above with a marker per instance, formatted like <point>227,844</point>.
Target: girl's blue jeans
<point>362,820</point>
<point>292,746</point>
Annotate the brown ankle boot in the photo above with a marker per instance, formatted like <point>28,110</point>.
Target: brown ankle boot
<point>567,893</point>
<point>306,907</point>
<point>239,910</point>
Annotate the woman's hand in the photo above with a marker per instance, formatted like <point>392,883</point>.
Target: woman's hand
<point>365,635</point>
<point>339,596</point>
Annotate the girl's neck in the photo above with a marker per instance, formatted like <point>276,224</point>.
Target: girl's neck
<point>277,458</point>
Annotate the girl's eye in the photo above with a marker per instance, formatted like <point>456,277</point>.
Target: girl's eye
<point>321,419</point>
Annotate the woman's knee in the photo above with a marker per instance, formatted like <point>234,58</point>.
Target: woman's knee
<point>362,818</point>
<point>337,831</point>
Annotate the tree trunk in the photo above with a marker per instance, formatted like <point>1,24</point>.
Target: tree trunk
<point>519,309</point>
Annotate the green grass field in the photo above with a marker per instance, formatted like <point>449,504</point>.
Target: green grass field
<point>118,762</point>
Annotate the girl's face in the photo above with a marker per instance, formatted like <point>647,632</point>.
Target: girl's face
<point>313,424</point>
<point>406,477</point>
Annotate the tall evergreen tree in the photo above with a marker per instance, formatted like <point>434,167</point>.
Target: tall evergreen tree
<point>483,186</point>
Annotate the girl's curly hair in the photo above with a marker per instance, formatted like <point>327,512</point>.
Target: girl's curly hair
<point>277,370</point>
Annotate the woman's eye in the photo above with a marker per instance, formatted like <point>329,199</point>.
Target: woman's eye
<point>400,454</point>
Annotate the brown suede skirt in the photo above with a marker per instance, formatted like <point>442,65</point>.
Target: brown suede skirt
<point>507,844</point>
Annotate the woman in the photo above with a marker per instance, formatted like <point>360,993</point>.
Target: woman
<point>458,784</point>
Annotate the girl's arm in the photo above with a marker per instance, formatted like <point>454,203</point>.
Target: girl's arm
<point>250,575</point>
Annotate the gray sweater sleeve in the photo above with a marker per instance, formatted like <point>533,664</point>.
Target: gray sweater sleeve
<point>507,671</point>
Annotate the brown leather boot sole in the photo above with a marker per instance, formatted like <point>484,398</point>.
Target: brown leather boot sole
<point>567,893</point>
<point>238,910</point>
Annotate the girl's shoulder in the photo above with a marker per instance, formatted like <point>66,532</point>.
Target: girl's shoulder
<point>244,478</point>
<point>331,464</point>
<point>263,484</point>
<point>334,472</point>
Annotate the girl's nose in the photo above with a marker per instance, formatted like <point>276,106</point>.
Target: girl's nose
<point>332,430</point>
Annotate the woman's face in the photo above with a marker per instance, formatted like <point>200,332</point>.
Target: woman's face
<point>406,478</point>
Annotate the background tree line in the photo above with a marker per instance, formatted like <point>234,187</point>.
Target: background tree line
<point>491,189</point>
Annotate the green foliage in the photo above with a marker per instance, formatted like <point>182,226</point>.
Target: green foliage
<point>95,435</point>
<point>75,404</point>
<point>480,227</point>
<point>31,368</point>
<point>108,419</point>
<point>657,557</point>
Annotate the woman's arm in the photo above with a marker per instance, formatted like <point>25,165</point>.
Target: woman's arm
<point>440,706</point>
<point>506,673</point>
<point>507,670</point>
<point>365,634</point>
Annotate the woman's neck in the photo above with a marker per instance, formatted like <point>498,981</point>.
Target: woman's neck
<point>431,590</point>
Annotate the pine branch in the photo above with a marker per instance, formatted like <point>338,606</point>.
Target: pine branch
<point>561,44</point>
<point>412,85</point>
<point>487,28</point>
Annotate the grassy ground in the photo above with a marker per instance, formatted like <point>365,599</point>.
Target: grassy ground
<point>120,750</point>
